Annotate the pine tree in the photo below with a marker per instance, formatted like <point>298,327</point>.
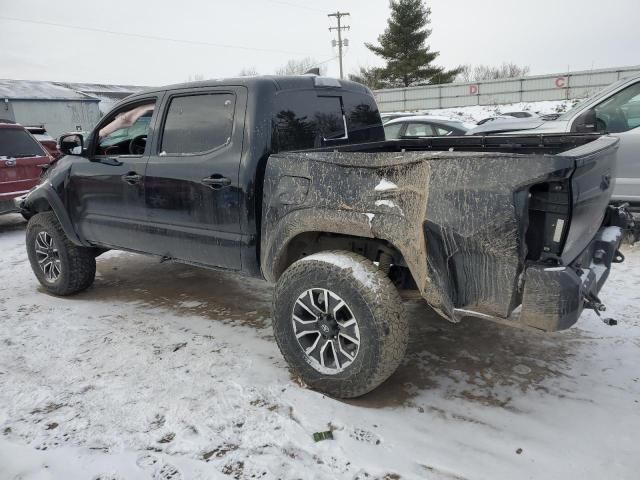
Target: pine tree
<point>403,46</point>
<point>369,77</point>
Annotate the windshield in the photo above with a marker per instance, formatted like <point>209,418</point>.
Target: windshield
<point>602,93</point>
<point>16,143</point>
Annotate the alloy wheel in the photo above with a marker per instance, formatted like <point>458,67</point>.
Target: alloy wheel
<point>48,257</point>
<point>326,330</point>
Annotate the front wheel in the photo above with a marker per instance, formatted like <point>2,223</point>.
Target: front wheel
<point>339,323</point>
<point>61,267</point>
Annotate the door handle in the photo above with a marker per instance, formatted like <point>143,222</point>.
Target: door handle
<point>131,178</point>
<point>216,181</point>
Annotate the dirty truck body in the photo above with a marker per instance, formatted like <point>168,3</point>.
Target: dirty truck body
<point>516,230</point>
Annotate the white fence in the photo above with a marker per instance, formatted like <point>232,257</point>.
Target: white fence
<point>492,92</point>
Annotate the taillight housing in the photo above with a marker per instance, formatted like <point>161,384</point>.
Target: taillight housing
<point>549,215</point>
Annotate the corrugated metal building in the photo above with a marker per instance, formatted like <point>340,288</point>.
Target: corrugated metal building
<point>60,107</point>
<point>108,95</point>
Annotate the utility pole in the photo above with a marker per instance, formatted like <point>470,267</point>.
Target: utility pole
<point>340,42</point>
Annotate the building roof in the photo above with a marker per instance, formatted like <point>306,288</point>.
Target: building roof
<point>100,88</point>
<point>43,90</point>
<point>108,95</point>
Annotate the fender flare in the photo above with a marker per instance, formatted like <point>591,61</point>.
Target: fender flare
<point>44,193</point>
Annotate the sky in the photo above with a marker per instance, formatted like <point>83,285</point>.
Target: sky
<point>156,42</point>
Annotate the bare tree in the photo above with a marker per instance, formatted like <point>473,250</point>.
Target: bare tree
<point>465,74</point>
<point>487,72</point>
<point>248,72</point>
<point>298,67</point>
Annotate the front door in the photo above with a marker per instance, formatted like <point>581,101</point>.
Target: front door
<point>107,191</point>
<point>192,188</point>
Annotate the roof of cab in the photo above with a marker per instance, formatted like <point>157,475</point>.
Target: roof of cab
<point>277,81</point>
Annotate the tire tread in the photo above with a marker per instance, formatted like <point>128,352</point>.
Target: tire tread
<point>386,307</point>
<point>81,260</point>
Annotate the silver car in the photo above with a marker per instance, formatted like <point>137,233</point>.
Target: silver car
<point>420,126</point>
<point>616,110</point>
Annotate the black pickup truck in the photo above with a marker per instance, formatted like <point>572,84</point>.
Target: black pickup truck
<point>291,179</point>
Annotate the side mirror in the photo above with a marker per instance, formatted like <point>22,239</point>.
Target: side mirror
<point>586,122</point>
<point>71,144</point>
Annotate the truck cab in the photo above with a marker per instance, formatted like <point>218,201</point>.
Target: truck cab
<point>188,158</point>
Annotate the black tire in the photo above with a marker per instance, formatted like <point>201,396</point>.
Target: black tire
<point>26,216</point>
<point>77,265</point>
<point>371,298</point>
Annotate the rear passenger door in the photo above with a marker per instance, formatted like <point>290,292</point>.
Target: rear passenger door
<point>192,191</point>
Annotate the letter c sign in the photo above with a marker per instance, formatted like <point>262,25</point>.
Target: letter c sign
<point>561,82</point>
<point>473,89</point>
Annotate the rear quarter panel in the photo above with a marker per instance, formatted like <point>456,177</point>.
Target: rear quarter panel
<point>457,218</point>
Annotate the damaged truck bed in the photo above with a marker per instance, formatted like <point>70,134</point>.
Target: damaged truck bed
<point>481,232</point>
<point>290,179</point>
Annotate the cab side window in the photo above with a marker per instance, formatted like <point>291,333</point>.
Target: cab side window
<point>198,123</point>
<point>125,133</point>
<point>621,112</point>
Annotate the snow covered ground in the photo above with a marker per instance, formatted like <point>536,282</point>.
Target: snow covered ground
<point>164,371</point>
<point>475,113</point>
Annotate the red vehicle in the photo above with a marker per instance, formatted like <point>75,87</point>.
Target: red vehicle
<point>47,141</point>
<point>22,159</point>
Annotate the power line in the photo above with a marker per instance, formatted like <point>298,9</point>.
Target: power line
<point>323,62</point>
<point>340,28</point>
<point>296,5</point>
<point>151,37</point>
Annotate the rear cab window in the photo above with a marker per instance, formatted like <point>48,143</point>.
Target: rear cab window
<point>17,143</point>
<point>306,119</point>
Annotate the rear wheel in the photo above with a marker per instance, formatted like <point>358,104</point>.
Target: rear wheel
<point>61,267</point>
<point>339,323</point>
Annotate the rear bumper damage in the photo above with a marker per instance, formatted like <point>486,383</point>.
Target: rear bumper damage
<point>554,297</point>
